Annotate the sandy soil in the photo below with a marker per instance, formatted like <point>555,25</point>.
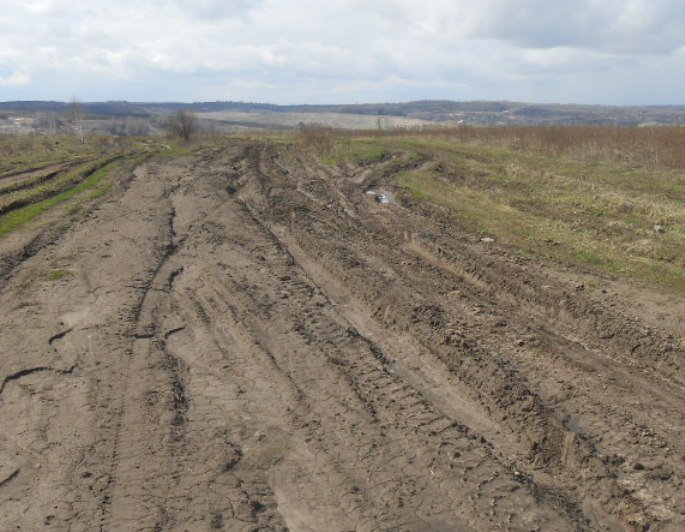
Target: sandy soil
<point>244,340</point>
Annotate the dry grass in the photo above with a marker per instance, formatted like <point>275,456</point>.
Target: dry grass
<point>651,146</point>
<point>38,173</point>
<point>26,152</point>
<point>62,181</point>
<point>662,146</point>
<point>587,197</point>
<point>21,216</point>
<point>320,138</point>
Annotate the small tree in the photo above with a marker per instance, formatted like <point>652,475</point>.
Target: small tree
<point>76,115</point>
<point>182,124</point>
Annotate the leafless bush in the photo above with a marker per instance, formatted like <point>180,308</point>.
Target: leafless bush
<point>76,117</point>
<point>183,124</point>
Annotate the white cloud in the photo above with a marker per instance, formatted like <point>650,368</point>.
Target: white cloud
<point>16,78</point>
<point>280,49</point>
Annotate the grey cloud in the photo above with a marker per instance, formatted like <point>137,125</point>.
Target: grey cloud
<point>620,26</point>
<point>217,9</point>
<point>429,48</point>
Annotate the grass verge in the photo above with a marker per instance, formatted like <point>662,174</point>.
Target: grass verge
<point>587,210</point>
<point>17,218</point>
<point>59,183</point>
<point>57,275</point>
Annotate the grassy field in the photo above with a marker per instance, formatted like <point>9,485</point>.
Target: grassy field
<point>37,173</point>
<point>18,217</point>
<point>20,153</point>
<point>604,199</point>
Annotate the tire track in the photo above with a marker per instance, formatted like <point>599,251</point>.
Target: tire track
<point>260,345</point>
<point>560,443</point>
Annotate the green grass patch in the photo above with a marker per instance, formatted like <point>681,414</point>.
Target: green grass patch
<point>55,185</point>
<point>56,275</point>
<point>571,225</point>
<point>171,148</point>
<point>595,213</point>
<point>15,219</point>
<point>100,191</point>
<point>357,151</point>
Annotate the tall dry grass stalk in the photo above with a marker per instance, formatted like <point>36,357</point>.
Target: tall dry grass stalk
<point>321,138</point>
<point>660,146</point>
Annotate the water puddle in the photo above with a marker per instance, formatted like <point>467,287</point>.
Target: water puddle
<point>383,197</point>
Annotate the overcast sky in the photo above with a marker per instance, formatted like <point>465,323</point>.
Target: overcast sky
<point>344,51</point>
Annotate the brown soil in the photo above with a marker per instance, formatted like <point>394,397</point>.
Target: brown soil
<point>245,340</point>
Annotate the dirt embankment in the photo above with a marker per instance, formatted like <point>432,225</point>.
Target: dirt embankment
<point>247,340</point>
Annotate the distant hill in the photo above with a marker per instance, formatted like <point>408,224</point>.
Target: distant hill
<point>227,115</point>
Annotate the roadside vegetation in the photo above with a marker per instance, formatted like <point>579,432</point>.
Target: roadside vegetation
<point>35,191</point>
<point>21,153</point>
<point>602,199</point>
<point>17,217</point>
<point>39,172</point>
<point>596,198</point>
<point>183,125</point>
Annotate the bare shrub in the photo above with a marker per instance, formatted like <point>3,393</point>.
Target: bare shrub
<point>76,117</point>
<point>183,125</point>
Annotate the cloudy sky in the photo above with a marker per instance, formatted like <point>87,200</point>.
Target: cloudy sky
<point>344,51</point>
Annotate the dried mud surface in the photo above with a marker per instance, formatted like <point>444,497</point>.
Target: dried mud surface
<point>245,340</point>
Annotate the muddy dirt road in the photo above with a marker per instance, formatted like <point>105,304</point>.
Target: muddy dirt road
<point>245,340</point>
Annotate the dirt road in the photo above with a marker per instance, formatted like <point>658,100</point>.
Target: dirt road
<point>245,340</point>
